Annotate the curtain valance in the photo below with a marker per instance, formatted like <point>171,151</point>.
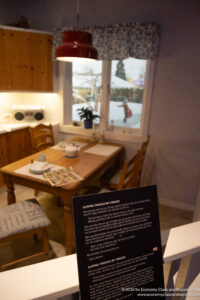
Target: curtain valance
<point>120,41</point>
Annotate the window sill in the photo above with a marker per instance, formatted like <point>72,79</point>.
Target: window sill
<point>78,130</point>
<point>123,136</point>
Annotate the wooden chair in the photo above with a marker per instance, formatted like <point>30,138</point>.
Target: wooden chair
<point>41,137</point>
<point>129,175</point>
<point>141,157</point>
<point>21,219</point>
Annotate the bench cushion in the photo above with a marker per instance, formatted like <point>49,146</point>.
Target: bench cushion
<point>21,217</point>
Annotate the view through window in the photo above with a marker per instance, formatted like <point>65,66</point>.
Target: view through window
<point>86,87</point>
<point>123,105</point>
<point>126,92</point>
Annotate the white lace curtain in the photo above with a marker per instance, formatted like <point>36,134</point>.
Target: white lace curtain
<point>120,41</point>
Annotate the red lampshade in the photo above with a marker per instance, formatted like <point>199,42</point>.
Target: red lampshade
<point>76,45</point>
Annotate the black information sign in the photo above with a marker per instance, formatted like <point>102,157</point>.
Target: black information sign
<point>118,245</point>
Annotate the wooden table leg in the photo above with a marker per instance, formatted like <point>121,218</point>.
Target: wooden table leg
<point>68,222</point>
<point>10,189</point>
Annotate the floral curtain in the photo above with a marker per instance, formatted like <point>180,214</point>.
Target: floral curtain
<point>120,41</point>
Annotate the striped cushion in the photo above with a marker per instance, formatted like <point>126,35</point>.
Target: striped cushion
<point>21,217</point>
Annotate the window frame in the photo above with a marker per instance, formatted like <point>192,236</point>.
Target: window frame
<point>104,130</point>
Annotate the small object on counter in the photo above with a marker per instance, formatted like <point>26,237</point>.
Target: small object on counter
<point>6,118</point>
<point>75,123</point>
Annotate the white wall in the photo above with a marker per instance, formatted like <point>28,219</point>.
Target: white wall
<point>174,121</point>
<point>50,101</point>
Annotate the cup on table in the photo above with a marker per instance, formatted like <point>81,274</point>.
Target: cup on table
<point>41,157</point>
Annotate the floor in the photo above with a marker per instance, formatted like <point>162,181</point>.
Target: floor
<point>169,217</point>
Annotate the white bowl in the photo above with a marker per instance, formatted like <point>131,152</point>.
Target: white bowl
<point>71,151</point>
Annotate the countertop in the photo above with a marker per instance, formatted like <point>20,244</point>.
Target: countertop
<point>15,126</point>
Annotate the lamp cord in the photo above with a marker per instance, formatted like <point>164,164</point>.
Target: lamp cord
<point>77,13</point>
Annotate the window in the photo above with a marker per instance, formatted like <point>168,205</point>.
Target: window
<point>126,92</point>
<point>86,87</point>
<point>119,91</point>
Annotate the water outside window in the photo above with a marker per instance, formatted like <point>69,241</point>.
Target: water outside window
<point>126,92</point>
<point>86,87</point>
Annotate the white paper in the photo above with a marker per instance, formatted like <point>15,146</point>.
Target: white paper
<point>101,149</point>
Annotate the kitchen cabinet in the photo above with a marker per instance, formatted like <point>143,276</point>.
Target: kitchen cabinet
<point>25,60</point>
<point>14,145</point>
<point>18,144</point>
<point>3,153</point>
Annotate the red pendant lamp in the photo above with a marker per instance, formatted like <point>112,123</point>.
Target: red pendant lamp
<point>76,45</point>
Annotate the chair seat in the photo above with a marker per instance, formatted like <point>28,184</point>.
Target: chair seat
<point>111,175</point>
<point>21,217</point>
<point>103,191</point>
<point>116,177</point>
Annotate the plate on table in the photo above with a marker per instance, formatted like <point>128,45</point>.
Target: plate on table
<point>39,167</point>
<point>68,156</point>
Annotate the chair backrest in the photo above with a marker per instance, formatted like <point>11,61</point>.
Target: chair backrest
<point>126,176</point>
<point>132,169</point>
<point>140,159</point>
<point>41,137</point>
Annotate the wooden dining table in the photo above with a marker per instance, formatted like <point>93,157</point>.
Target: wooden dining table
<point>87,165</point>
